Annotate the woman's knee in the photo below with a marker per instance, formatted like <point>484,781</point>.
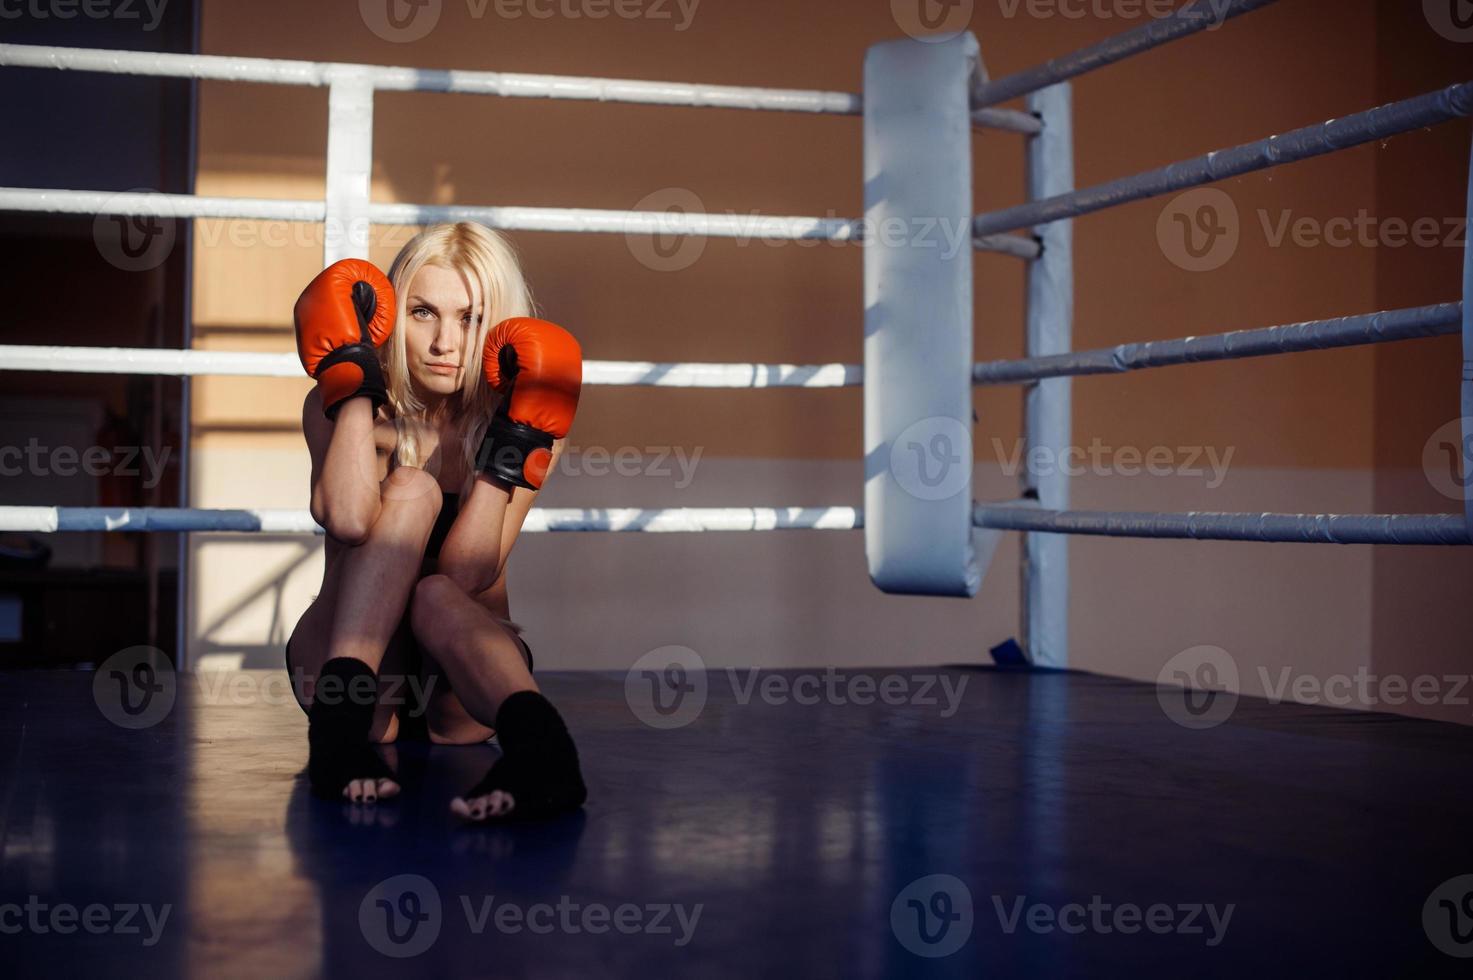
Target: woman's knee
<point>433,598</point>
<point>411,490</point>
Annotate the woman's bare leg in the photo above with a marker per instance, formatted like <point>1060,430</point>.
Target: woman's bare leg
<point>307,652</point>
<point>371,588</point>
<point>449,723</point>
<point>377,576</point>
<point>476,651</point>
<point>485,665</point>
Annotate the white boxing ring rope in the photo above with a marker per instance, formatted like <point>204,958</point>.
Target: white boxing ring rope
<point>578,220</point>
<point>1445,529</point>
<point>1443,319</point>
<point>384,78</point>
<point>1444,105</point>
<point>1200,15</point>
<point>1022,232</point>
<point>180,363</point>
<point>49,520</point>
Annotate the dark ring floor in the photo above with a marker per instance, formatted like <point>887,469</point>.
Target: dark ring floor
<point>1084,833</point>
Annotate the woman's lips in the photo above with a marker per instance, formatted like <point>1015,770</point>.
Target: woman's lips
<point>443,368</point>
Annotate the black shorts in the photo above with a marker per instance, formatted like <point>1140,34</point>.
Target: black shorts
<point>412,723</point>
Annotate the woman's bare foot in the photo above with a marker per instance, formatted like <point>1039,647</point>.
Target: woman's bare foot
<point>537,775</point>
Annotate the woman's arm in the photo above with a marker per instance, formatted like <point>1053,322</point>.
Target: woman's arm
<point>345,491</point>
<point>479,544</point>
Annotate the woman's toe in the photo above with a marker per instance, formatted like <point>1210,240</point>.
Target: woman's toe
<point>495,804</point>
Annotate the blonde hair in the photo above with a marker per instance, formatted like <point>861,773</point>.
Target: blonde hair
<point>490,265</point>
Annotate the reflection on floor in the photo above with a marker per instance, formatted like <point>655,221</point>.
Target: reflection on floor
<point>789,823</point>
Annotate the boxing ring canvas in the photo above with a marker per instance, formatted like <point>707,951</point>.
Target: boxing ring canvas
<point>962,835</point>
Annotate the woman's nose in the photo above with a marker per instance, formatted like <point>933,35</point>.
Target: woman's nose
<point>444,342</point>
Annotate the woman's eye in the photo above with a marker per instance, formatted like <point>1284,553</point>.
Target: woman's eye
<point>421,309</point>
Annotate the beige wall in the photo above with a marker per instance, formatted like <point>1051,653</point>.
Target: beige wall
<point>1331,431</point>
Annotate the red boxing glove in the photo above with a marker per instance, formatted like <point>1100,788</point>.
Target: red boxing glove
<point>538,368</point>
<point>342,317</point>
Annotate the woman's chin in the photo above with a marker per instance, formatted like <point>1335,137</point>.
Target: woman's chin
<point>437,385</point>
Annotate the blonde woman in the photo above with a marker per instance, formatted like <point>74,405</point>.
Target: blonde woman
<point>440,407</point>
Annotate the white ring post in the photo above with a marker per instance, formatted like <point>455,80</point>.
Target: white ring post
<point>918,533</point>
<point>349,164</point>
<point>1047,429</point>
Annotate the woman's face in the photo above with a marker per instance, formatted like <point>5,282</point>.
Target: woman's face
<point>439,322</point>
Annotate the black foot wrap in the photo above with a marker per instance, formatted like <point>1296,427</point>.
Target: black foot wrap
<point>337,728</point>
<point>539,765</point>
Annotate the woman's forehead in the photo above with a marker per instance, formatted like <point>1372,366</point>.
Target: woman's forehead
<point>442,286</point>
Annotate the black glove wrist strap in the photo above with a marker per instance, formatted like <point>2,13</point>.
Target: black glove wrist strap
<point>366,357</point>
<point>505,449</point>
